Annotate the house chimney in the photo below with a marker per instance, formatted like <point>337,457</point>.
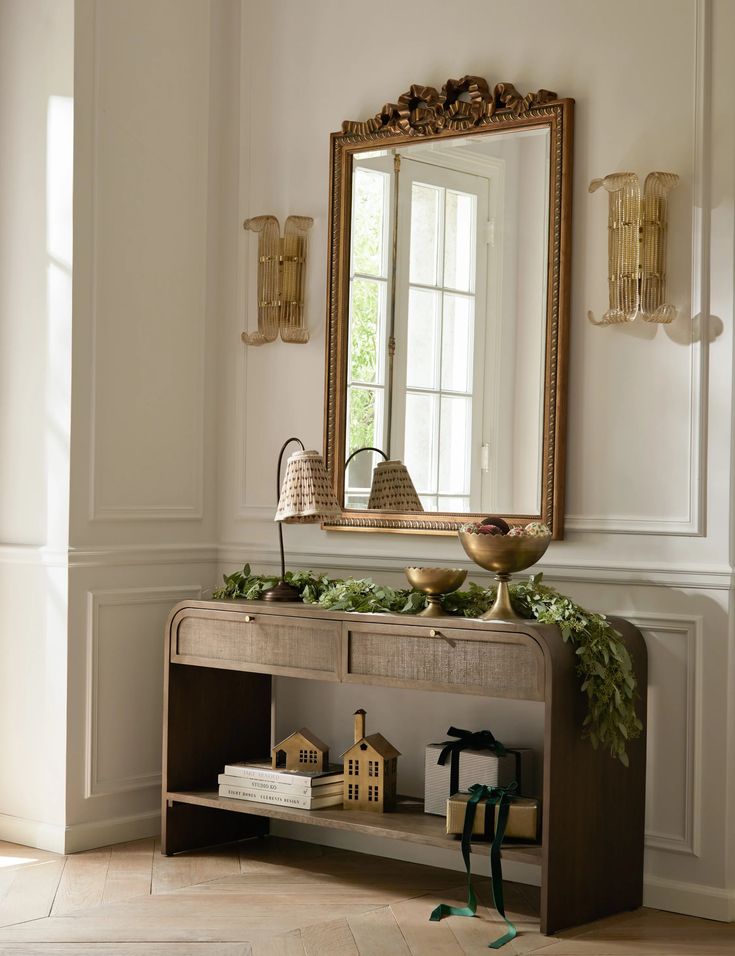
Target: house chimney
<point>359,725</point>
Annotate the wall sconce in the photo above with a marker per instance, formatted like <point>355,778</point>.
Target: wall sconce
<point>281,279</point>
<point>636,247</point>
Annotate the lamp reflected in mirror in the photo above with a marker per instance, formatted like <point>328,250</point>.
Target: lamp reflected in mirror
<point>391,487</point>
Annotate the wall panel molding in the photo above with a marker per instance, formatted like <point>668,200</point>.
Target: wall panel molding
<point>689,629</point>
<point>109,555</point>
<point>94,785</point>
<point>702,578</point>
<point>99,510</point>
<point>693,523</point>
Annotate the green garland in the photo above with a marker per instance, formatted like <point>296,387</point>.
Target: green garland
<point>604,665</point>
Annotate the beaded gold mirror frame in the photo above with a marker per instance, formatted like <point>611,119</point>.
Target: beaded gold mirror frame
<point>464,107</point>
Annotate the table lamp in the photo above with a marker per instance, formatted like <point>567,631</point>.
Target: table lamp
<point>305,497</point>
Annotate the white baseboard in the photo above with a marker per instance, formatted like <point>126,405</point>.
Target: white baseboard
<point>32,833</point>
<point>86,836</point>
<point>80,836</point>
<point>692,899</point>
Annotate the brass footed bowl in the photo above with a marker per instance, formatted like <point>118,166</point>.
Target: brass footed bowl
<point>501,554</point>
<point>505,556</point>
<point>434,582</point>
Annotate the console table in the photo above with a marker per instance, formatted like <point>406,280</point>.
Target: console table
<point>220,657</point>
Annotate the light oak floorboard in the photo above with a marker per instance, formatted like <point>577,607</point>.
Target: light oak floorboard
<point>13,855</point>
<point>276,897</point>
<point>31,894</point>
<point>287,945</point>
<point>329,939</point>
<point>126,949</point>
<point>129,872</point>
<point>646,933</point>
<point>83,881</point>
<point>377,934</point>
<point>186,869</point>
<point>6,881</point>
<point>422,937</point>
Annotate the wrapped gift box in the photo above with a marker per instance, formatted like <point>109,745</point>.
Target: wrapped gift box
<point>475,766</point>
<point>524,817</point>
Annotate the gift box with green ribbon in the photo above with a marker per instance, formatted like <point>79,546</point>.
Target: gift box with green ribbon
<point>524,817</point>
<point>472,757</point>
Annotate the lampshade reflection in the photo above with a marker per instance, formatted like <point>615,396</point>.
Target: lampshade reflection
<point>392,489</point>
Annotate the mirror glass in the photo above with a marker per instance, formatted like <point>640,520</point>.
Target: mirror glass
<point>446,350</point>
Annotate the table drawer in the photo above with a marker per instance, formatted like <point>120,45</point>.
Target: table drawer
<point>505,665</point>
<point>262,643</point>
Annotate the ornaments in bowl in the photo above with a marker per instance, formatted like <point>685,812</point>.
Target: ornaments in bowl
<point>495,546</point>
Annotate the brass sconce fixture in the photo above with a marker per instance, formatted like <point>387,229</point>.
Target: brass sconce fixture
<point>281,279</point>
<point>637,248</point>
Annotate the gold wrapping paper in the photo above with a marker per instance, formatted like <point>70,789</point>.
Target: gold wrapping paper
<point>524,817</point>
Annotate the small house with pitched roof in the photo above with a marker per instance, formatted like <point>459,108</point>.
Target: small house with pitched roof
<point>302,750</point>
<point>370,775</point>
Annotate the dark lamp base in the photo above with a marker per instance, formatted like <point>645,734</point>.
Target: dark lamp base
<point>282,592</point>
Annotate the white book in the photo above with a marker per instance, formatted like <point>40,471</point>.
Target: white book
<point>291,788</point>
<point>262,770</point>
<point>301,802</point>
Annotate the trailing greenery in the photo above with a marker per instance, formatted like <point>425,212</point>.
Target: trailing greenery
<point>604,665</point>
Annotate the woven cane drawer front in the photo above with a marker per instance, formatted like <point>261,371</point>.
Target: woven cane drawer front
<point>266,644</point>
<point>510,666</point>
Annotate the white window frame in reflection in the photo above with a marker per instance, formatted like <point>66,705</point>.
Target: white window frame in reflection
<point>377,164</point>
<point>454,482</point>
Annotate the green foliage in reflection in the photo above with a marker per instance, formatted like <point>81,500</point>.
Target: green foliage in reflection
<point>364,330</point>
<point>603,663</point>
<point>362,418</point>
<point>367,223</point>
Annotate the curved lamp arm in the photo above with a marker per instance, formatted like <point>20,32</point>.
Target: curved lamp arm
<point>366,448</point>
<point>284,446</point>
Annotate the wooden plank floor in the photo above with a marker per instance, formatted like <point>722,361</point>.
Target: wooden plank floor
<point>277,897</point>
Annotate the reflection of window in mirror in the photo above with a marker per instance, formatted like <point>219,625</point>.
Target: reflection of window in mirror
<point>370,281</point>
<point>450,379</point>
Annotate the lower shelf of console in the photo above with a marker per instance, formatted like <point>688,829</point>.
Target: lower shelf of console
<point>408,822</point>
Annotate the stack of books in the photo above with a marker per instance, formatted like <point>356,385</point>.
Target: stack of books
<point>305,790</point>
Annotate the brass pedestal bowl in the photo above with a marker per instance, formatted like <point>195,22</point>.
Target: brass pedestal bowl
<point>504,555</point>
<point>434,582</point>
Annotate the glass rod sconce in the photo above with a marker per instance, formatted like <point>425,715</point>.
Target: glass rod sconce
<point>281,279</point>
<point>637,226</point>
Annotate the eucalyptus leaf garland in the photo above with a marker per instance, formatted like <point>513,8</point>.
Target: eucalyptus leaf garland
<point>603,663</point>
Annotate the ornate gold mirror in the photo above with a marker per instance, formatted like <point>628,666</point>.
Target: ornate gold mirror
<point>447,309</point>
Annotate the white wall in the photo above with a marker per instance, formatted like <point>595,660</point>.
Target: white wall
<point>150,90</point>
<point>649,488</point>
<point>36,138</point>
<point>192,115</point>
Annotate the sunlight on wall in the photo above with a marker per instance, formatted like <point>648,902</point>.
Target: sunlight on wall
<point>59,237</point>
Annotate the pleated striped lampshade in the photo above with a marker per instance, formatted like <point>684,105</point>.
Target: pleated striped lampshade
<point>306,492</point>
<point>392,489</point>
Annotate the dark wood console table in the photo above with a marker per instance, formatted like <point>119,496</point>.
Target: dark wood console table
<point>220,657</point>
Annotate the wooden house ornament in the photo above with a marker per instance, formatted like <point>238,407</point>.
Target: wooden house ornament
<point>370,771</point>
<point>302,750</point>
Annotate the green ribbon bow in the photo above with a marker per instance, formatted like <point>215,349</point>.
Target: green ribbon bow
<point>491,796</point>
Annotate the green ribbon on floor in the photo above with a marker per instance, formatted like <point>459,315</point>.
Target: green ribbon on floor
<point>499,797</point>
